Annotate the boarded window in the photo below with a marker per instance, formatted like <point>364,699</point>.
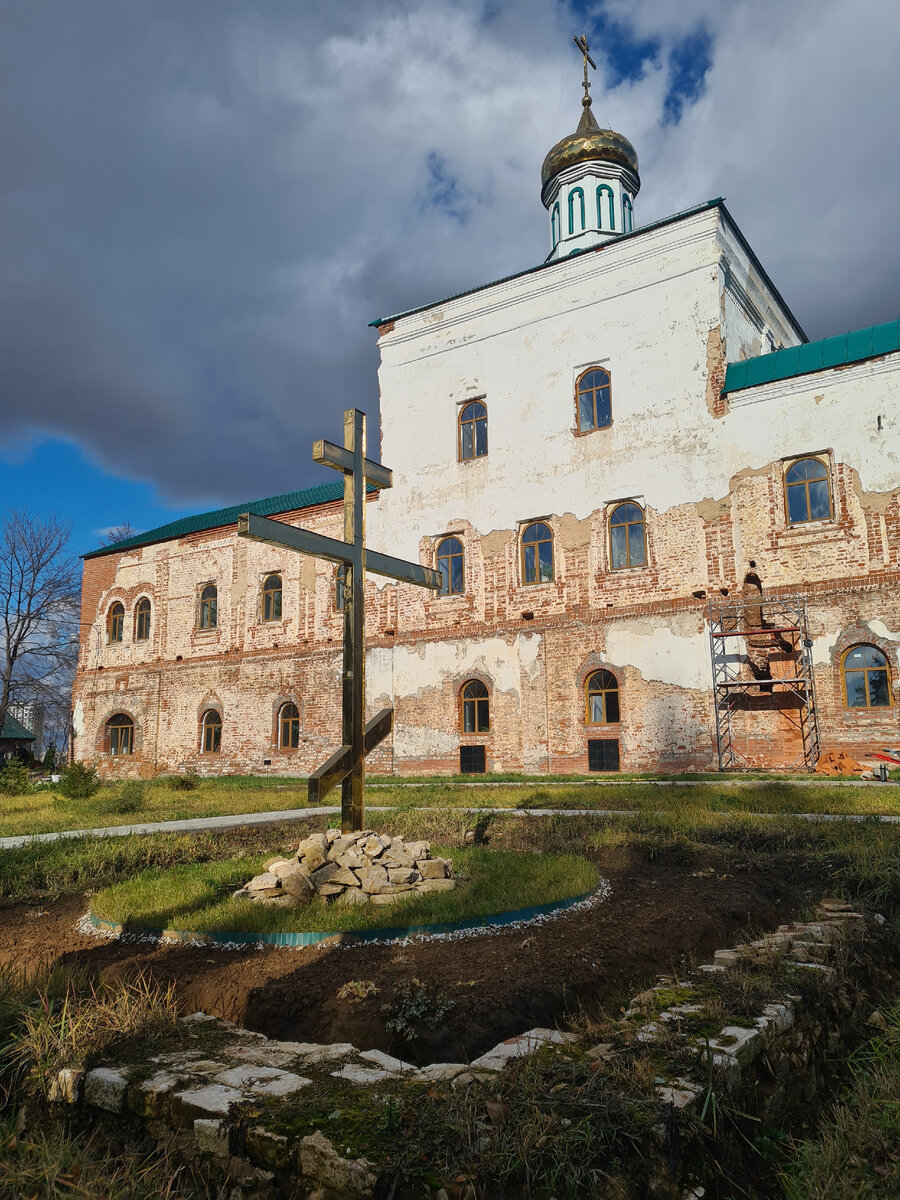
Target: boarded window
<point>603,754</point>
<point>471,760</point>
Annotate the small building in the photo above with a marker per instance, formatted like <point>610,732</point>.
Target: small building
<point>16,741</point>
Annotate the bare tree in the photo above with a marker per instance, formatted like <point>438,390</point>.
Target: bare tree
<point>117,533</point>
<point>38,611</point>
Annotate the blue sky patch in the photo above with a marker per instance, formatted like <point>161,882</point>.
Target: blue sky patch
<point>689,61</point>
<point>444,191</point>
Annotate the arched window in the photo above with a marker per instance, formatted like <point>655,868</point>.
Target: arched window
<point>627,213</point>
<point>209,607</point>
<point>115,623</point>
<point>211,739</point>
<point>555,231</point>
<point>472,431</point>
<point>289,727</point>
<point>450,562</point>
<point>537,553</point>
<point>579,192</point>
<point>120,734</point>
<point>340,587</point>
<point>807,491</point>
<point>601,698</point>
<point>867,678</point>
<point>142,620</point>
<point>475,708</point>
<point>271,607</point>
<point>627,545</point>
<point>609,200</point>
<point>594,399</point>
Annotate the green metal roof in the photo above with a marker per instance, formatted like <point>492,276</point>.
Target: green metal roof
<point>324,493</point>
<point>16,730</point>
<point>814,356</point>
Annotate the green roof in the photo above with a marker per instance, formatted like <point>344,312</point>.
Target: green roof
<point>16,730</point>
<point>838,351</point>
<point>324,493</point>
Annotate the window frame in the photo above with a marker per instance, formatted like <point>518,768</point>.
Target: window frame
<point>115,616</point>
<point>788,465</point>
<point>579,432</point>
<point>208,605</point>
<point>141,609</point>
<point>589,692</point>
<point>537,581</point>
<point>629,565</point>
<point>461,420</point>
<point>124,730</point>
<point>867,707</point>
<point>477,700</point>
<point>210,723</point>
<point>339,597</point>
<point>289,721</point>
<point>268,594</point>
<point>461,554</point>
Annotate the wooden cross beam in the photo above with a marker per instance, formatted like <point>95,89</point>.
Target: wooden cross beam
<point>347,766</point>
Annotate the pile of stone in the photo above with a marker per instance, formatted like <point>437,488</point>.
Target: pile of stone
<point>350,868</point>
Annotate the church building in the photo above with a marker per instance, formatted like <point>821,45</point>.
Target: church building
<point>667,526</point>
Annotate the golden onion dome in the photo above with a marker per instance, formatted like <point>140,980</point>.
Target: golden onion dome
<point>588,142</point>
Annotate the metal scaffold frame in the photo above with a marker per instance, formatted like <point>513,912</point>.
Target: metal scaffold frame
<point>781,622</point>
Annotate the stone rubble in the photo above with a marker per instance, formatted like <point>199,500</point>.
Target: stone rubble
<point>350,868</point>
<point>201,1096</point>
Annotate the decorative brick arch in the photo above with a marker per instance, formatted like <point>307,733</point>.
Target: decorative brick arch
<point>862,635</point>
<point>278,704</point>
<point>101,740</point>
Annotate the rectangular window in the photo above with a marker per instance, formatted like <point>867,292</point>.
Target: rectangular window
<point>603,754</point>
<point>471,760</point>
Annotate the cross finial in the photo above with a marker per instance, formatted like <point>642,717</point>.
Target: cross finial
<point>582,44</point>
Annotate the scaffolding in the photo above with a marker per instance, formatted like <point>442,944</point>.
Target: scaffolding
<point>774,635</point>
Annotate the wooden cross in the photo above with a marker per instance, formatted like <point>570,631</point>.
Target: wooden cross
<point>347,766</point>
<point>581,43</point>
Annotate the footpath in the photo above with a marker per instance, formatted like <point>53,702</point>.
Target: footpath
<point>235,820</point>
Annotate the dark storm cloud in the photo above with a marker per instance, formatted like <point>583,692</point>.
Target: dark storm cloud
<point>202,205</point>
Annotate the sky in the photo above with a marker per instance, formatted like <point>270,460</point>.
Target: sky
<point>203,205</point>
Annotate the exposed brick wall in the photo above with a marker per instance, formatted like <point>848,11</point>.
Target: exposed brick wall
<point>545,638</point>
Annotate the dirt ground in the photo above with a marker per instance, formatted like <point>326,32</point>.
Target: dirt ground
<point>659,915</point>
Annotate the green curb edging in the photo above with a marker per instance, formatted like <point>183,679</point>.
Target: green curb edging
<point>362,935</point>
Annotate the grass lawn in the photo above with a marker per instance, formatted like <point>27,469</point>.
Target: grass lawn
<point>197,896</point>
<point>45,810</point>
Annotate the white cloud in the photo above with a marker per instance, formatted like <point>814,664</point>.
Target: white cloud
<point>205,204</point>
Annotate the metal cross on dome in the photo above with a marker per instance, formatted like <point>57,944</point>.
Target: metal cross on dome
<point>347,766</point>
<point>582,44</point>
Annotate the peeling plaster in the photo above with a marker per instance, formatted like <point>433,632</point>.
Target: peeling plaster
<point>410,670</point>
<point>881,630</point>
<point>78,719</point>
<point>573,533</point>
<point>677,654</point>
